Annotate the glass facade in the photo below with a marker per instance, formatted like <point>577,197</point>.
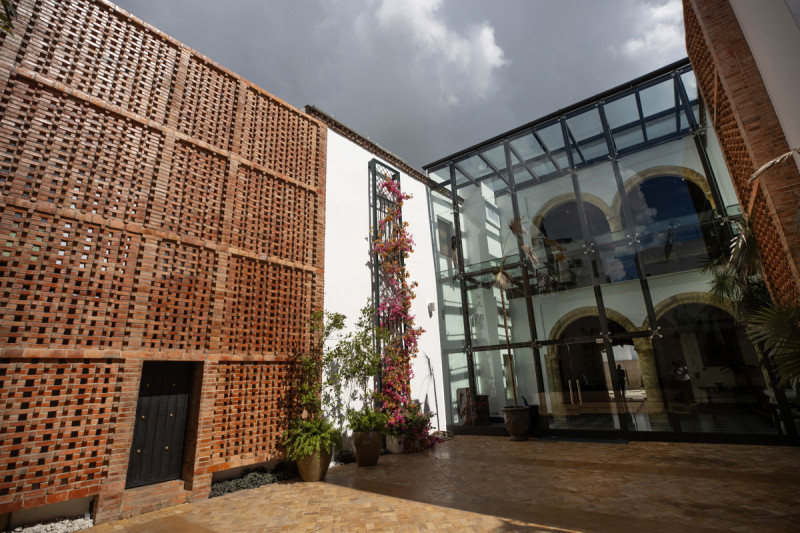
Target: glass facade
<point>601,219</point>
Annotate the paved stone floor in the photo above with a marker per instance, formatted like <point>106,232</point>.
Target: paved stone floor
<point>492,484</point>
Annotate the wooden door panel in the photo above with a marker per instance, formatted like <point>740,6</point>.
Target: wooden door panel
<point>158,435</point>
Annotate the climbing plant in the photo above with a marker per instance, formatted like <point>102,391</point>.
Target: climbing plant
<point>393,313</point>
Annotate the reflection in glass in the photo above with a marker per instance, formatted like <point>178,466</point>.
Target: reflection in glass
<point>622,232</point>
<point>713,380</point>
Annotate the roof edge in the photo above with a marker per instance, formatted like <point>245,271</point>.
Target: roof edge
<point>586,101</point>
<point>367,144</point>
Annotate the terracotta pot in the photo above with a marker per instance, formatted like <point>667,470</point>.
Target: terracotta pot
<point>314,467</point>
<point>394,444</point>
<point>367,447</point>
<point>518,421</point>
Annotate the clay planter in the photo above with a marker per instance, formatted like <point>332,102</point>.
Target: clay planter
<point>394,444</point>
<point>314,467</point>
<point>518,421</point>
<point>367,447</point>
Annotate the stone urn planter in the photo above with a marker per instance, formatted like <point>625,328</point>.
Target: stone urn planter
<point>314,467</point>
<point>518,421</point>
<point>367,447</point>
<point>394,444</point>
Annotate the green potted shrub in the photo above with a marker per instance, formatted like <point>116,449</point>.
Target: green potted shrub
<point>310,444</point>
<point>311,436</point>
<point>368,427</point>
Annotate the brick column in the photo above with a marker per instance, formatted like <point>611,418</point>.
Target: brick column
<point>109,501</point>
<point>750,135</point>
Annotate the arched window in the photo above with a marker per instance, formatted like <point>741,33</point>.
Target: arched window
<point>673,218</point>
<point>563,241</point>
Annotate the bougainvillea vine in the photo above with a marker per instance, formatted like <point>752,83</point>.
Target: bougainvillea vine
<point>393,245</point>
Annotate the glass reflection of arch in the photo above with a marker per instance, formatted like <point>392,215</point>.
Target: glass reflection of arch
<point>723,365</point>
<point>583,364</point>
<point>664,170</point>
<point>563,241</point>
<point>673,217</point>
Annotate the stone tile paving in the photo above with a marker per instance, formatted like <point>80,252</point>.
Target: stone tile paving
<point>492,484</point>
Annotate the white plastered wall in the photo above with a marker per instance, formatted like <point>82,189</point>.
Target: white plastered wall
<point>773,36</point>
<point>347,248</point>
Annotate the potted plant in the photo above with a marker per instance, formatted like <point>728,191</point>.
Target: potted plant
<point>311,436</point>
<point>516,417</point>
<point>411,427</point>
<point>310,444</point>
<point>368,427</point>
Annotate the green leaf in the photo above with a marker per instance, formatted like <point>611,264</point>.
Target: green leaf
<point>777,330</point>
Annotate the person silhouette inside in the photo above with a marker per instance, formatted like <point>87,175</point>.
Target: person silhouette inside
<point>622,379</point>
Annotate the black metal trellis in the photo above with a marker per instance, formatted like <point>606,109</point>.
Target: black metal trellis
<point>381,203</point>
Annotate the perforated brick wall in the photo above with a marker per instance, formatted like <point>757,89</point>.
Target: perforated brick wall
<point>154,206</point>
<point>750,135</point>
<point>56,417</point>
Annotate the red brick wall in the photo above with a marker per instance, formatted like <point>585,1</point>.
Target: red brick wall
<point>154,206</point>
<point>750,135</point>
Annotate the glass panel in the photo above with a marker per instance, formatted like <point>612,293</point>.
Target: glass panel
<point>628,137</point>
<point>522,175</point>
<point>496,156</point>
<point>594,149</point>
<point>443,229</point>
<point>458,380</point>
<point>484,222</point>
<point>440,175</point>
<point>446,260</point>
<point>581,380</point>
<point>548,233</point>
<point>672,206</point>
<point>493,379</point>
<point>475,167</point>
<point>463,179</point>
<point>531,154</point>
<point>661,127</point>
<point>717,161</point>
<point>657,98</point>
<point>552,136</point>
<point>486,306</point>
<point>712,379</point>
<point>525,373</point>
<point>527,146</point>
<point>490,379</point>
<point>621,111</point>
<point>690,85</point>
<point>585,125</point>
<point>637,376</point>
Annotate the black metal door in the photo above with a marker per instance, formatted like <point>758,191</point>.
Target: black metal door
<point>157,449</point>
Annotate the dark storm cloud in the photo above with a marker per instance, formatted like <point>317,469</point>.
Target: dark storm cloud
<point>425,78</point>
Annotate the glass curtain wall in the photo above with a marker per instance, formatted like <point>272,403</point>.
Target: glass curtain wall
<point>602,219</point>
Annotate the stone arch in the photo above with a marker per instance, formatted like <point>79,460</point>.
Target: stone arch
<point>665,170</point>
<point>684,298</point>
<point>589,311</point>
<point>570,197</point>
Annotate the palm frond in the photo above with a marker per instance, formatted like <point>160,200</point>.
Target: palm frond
<point>744,258</point>
<point>771,163</point>
<point>777,330</point>
<point>502,280</point>
<point>516,226</point>
<point>530,254</point>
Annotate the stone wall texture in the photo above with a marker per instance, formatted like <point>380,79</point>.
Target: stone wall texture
<point>155,206</point>
<point>750,135</point>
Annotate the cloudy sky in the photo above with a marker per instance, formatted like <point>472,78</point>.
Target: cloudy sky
<point>426,78</point>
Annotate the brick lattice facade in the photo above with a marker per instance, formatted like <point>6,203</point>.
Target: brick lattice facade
<point>155,206</point>
<point>750,135</point>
